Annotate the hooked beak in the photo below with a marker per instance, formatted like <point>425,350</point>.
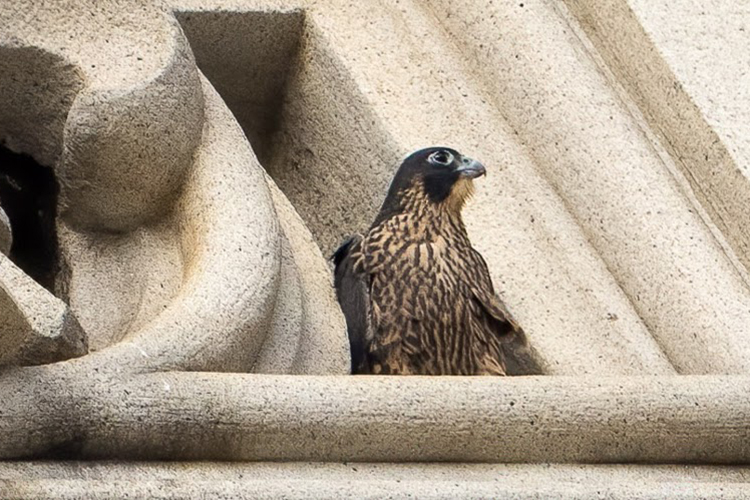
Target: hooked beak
<point>471,168</point>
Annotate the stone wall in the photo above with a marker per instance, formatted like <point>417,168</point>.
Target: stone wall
<point>207,155</point>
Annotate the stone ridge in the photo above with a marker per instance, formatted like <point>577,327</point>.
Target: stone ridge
<point>370,480</point>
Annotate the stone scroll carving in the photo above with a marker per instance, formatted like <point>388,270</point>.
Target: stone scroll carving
<point>175,249</point>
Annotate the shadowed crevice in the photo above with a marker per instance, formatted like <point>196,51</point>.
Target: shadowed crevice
<point>304,115</point>
<point>28,194</point>
<point>248,57</point>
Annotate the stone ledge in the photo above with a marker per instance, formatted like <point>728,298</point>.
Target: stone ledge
<point>366,480</point>
<point>210,416</point>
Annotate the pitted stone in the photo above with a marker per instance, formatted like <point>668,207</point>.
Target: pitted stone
<point>162,231</point>
<point>35,326</point>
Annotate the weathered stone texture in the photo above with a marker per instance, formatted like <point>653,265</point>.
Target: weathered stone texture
<point>169,241</point>
<point>210,155</point>
<point>35,326</point>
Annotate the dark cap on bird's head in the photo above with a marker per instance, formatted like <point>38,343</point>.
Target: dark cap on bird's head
<point>441,174</point>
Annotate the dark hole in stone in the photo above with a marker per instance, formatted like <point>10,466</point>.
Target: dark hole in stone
<point>28,195</point>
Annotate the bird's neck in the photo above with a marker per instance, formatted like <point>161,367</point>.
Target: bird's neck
<point>420,220</point>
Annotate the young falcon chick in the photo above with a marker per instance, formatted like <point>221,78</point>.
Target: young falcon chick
<point>417,297</point>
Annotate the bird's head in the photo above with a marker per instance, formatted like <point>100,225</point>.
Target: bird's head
<point>438,176</point>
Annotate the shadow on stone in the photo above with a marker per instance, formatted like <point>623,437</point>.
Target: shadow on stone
<point>307,121</point>
<point>28,194</point>
<point>247,56</point>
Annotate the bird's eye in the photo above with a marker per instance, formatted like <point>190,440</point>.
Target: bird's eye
<point>441,158</point>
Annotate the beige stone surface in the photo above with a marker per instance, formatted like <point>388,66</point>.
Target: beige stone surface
<point>125,112</point>
<point>263,41</point>
<point>231,242</point>
<point>170,246</point>
<point>684,65</point>
<point>218,416</point>
<point>368,480</point>
<point>35,326</point>
<point>307,310</point>
<point>212,153</point>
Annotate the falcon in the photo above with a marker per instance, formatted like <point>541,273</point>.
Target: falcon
<point>417,297</point>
